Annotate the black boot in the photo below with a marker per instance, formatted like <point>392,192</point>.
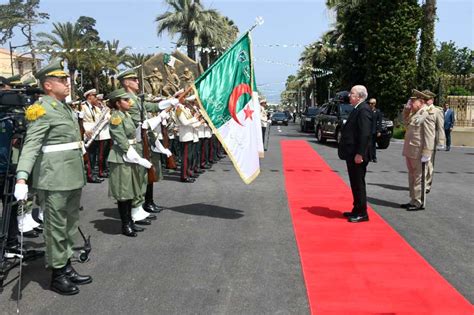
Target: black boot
<point>61,283</point>
<point>74,276</point>
<point>149,205</point>
<point>125,207</point>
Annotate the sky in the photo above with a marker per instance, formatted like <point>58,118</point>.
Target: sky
<point>287,22</point>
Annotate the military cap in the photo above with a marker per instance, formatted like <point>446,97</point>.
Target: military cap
<point>420,95</point>
<point>54,69</point>
<point>429,93</point>
<point>118,94</point>
<point>92,91</point>
<point>100,96</point>
<point>4,81</point>
<point>127,74</point>
<point>31,81</point>
<point>15,80</point>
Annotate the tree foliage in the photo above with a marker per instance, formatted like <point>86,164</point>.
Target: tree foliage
<point>427,71</point>
<point>453,60</point>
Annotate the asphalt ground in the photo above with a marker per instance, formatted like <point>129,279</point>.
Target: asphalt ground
<point>223,247</point>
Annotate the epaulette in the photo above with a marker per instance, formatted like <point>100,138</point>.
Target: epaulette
<point>34,112</point>
<point>178,111</point>
<point>115,120</point>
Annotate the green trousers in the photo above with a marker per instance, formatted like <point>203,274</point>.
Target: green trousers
<point>61,219</point>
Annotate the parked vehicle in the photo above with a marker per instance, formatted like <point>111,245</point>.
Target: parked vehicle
<point>333,115</point>
<point>307,118</point>
<point>279,118</point>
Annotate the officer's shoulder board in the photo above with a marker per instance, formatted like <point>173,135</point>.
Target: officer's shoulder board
<point>179,110</point>
<point>35,111</point>
<point>115,119</point>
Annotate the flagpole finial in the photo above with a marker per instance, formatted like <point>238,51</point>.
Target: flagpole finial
<point>258,21</point>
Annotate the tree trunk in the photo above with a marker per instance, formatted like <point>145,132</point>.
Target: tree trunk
<point>205,60</point>
<point>190,45</point>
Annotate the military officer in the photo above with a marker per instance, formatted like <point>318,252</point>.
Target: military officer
<point>440,138</point>
<point>51,161</point>
<point>144,203</point>
<point>418,146</point>
<point>125,163</point>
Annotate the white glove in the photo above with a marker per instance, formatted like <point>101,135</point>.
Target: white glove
<point>164,115</point>
<point>145,163</point>
<point>21,191</point>
<point>80,115</point>
<point>425,158</point>
<point>152,123</point>
<point>159,148</point>
<point>131,156</point>
<point>191,98</point>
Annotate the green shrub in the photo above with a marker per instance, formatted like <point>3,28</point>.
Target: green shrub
<point>399,132</point>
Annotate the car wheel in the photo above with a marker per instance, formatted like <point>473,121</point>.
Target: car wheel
<point>383,143</point>
<point>319,135</point>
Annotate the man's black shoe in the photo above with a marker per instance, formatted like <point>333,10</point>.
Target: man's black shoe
<point>428,191</point>
<point>149,207</point>
<point>415,208</point>
<point>358,218</point>
<point>188,180</point>
<point>206,167</point>
<point>374,160</point>
<point>143,222</point>
<point>38,229</point>
<point>95,180</point>
<point>136,228</point>
<point>348,214</point>
<point>31,234</point>
<point>75,277</point>
<point>61,283</point>
<point>405,205</point>
<point>151,217</point>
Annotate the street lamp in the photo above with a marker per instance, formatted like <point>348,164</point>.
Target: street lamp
<point>11,53</point>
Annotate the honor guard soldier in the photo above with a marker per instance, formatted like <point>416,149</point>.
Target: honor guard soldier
<point>126,176</point>
<point>418,147</point>
<point>440,138</point>
<point>144,203</point>
<point>186,124</point>
<point>51,161</point>
<point>91,113</point>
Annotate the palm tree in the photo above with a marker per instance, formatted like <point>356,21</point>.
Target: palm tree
<point>64,40</point>
<point>114,58</point>
<point>134,60</point>
<point>188,18</point>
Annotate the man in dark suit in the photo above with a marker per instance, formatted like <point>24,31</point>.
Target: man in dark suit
<point>355,149</point>
<point>448,124</point>
<point>376,128</point>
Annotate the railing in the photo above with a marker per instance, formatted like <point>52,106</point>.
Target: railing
<point>463,107</point>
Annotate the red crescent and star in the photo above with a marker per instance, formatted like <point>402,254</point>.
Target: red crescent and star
<point>238,91</point>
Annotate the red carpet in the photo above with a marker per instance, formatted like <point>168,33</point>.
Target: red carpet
<point>361,268</point>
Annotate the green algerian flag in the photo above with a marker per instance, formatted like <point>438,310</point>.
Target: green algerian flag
<point>227,93</point>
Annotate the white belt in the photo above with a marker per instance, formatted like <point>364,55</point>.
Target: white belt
<point>62,147</point>
<point>132,141</point>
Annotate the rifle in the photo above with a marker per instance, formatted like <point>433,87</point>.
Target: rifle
<point>170,162</point>
<point>152,177</point>
<point>80,119</point>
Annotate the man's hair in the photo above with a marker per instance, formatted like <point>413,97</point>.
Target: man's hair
<point>361,91</point>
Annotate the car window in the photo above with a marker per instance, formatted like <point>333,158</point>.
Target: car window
<point>279,115</point>
<point>346,109</point>
<point>313,110</point>
<point>333,110</point>
<point>323,109</point>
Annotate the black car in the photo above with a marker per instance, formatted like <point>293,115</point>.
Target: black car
<point>279,118</point>
<point>328,123</point>
<point>307,118</point>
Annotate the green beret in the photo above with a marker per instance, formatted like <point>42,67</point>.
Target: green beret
<point>429,93</point>
<point>15,80</point>
<point>420,95</point>
<point>118,94</point>
<point>127,74</point>
<point>54,69</point>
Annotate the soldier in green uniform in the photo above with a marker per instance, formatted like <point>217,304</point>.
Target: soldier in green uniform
<point>129,81</point>
<point>126,177</point>
<point>52,162</point>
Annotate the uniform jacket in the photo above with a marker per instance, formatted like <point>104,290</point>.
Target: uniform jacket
<point>420,134</point>
<point>440,136</point>
<point>376,121</point>
<point>186,123</point>
<point>122,129</point>
<point>357,133</point>
<point>57,171</point>
<point>449,119</point>
<point>91,115</point>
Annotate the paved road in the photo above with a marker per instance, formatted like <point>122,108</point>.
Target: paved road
<point>227,248</point>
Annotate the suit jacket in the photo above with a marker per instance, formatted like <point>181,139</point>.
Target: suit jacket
<point>356,134</point>
<point>449,119</point>
<point>376,121</point>
<point>420,134</point>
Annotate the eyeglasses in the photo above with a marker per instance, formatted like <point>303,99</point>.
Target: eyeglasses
<point>372,103</point>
